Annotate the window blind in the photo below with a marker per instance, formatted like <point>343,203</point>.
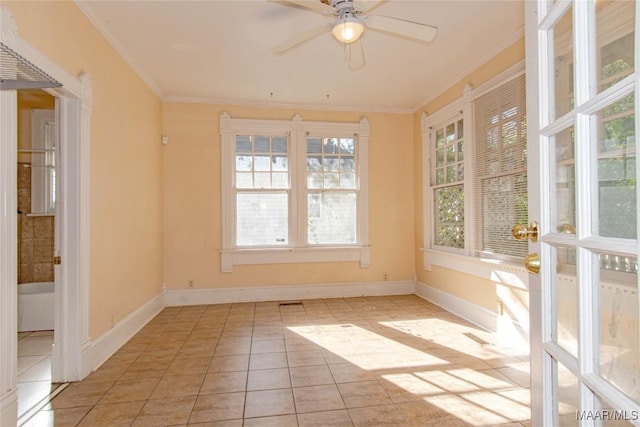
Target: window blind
<point>500,165</point>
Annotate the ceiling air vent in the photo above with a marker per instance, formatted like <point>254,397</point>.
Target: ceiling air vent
<point>18,73</point>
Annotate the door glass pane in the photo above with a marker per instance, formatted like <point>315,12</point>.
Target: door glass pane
<point>565,216</point>
<point>615,418</point>
<point>615,33</point>
<point>262,218</point>
<point>332,217</point>
<point>563,63</point>
<point>568,394</point>
<point>617,170</point>
<point>567,300</point>
<point>618,300</point>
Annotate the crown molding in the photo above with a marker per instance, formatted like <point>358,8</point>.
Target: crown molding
<point>173,99</point>
<point>85,8</point>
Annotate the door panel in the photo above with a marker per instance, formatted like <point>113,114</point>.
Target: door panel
<point>581,101</point>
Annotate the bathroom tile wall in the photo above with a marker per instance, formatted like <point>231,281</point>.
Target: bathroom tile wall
<point>36,235</point>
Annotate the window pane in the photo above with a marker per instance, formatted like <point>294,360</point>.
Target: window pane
<point>244,163</point>
<point>314,180</point>
<point>331,180</point>
<point>449,224</point>
<point>439,157</point>
<point>451,132</point>
<point>261,144</point>
<point>279,163</point>
<point>244,180</point>
<point>314,163</point>
<point>330,145</point>
<point>618,298</point>
<point>563,55</point>
<point>566,292</point>
<point>439,137</point>
<point>617,171</point>
<point>347,164</point>
<point>565,215</point>
<point>347,146</point>
<point>262,163</point>
<point>314,145</point>
<point>331,164</point>
<point>262,219</point>
<point>615,36</point>
<point>279,180</point>
<point>262,180</point>
<point>278,144</point>
<point>348,180</point>
<point>243,144</point>
<point>332,218</point>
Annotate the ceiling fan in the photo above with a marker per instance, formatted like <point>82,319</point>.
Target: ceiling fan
<point>350,18</point>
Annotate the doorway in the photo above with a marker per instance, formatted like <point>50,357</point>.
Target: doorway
<point>36,175</point>
<point>73,117</point>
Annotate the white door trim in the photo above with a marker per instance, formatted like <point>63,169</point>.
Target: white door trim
<point>71,295</point>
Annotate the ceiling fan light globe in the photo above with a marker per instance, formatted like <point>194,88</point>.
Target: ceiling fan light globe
<point>348,30</point>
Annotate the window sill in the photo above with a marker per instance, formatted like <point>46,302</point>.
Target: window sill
<point>498,271</point>
<point>231,257</point>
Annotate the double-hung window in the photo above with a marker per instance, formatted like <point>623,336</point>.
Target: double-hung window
<point>293,191</point>
<point>476,173</point>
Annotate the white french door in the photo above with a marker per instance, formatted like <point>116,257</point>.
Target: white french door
<point>582,94</point>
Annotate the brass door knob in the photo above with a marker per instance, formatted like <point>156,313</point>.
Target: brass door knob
<point>532,263</point>
<point>524,232</point>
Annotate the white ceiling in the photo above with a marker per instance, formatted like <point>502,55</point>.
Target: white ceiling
<point>220,51</point>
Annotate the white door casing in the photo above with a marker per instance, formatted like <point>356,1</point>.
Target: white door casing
<point>73,105</point>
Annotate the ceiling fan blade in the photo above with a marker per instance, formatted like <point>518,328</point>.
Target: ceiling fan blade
<point>314,5</point>
<point>403,28</point>
<point>301,38</point>
<point>355,55</point>
<point>366,6</point>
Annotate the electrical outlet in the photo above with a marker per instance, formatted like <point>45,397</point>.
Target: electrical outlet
<point>386,276</point>
<point>190,283</point>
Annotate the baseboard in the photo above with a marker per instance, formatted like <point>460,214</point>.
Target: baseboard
<point>9,408</point>
<point>104,347</point>
<point>278,293</point>
<point>469,311</point>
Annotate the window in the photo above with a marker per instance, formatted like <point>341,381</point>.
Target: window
<point>262,190</point>
<point>476,172</point>
<point>500,166</point>
<point>43,156</point>
<point>448,191</point>
<point>294,191</point>
<point>332,193</point>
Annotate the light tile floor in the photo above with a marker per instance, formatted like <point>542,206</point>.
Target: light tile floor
<point>34,369</point>
<point>368,361</point>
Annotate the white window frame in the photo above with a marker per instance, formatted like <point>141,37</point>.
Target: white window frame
<point>43,146</point>
<point>298,249</point>
<point>465,260</point>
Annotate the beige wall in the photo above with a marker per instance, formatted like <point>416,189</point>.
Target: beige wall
<point>192,201</point>
<point>126,125</point>
<point>135,181</point>
<point>470,288</point>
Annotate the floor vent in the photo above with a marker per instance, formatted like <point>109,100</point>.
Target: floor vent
<point>283,303</point>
